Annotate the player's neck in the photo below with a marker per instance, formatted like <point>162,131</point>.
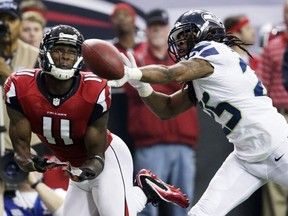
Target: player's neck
<point>57,87</point>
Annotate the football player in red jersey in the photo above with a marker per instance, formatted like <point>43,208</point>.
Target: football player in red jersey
<point>68,110</point>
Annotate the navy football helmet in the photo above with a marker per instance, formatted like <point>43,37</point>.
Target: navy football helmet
<point>191,28</point>
<point>60,34</point>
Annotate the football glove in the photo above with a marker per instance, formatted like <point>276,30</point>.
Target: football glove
<point>42,164</point>
<point>131,72</point>
<point>80,174</point>
<point>144,89</point>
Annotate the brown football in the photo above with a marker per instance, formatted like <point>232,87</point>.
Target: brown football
<point>103,59</point>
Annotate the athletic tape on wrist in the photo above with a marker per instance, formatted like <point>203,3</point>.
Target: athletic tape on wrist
<point>135,73</point>
<point>145,91</point>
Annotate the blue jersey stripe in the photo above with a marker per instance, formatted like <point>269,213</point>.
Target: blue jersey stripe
<point>199,48</point>
<point>259,90</point>
<point>243,65</point>
<point>209,52</point>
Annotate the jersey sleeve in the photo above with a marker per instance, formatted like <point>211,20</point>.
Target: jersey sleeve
<point>101,95</point>
<point>10,95</point>
<point>212,52</point>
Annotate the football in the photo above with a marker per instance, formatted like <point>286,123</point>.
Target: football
<point>103,59</point>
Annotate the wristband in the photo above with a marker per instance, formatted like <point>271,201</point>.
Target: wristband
<point>100,159</point>
<point>36,183</point>
<point>145,91</point>
<point>134,73</point>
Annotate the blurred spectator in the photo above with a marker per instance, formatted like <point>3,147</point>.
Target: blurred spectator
<point>33,5</point>
<point>170,141</point>
<point>123,24</point>
<point>14,54</point>
<point>31,197</point>
<point>275,197</point>
<point>241,27</point>
<point>32,30</point>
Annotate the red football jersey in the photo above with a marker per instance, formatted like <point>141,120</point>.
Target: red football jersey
<point>60,122</point>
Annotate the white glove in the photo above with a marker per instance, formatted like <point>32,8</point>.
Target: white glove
<point>131,72</point>
<point>144,89</point>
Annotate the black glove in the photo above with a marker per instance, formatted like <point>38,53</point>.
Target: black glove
<point>86,174</point>
<point>41,164</point>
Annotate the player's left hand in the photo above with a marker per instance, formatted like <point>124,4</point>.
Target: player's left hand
<point>80,174</point>
<point>132,73</point>
<point>131,63</point>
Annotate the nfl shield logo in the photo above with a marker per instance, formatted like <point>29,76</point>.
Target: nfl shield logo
<point>56,101</point>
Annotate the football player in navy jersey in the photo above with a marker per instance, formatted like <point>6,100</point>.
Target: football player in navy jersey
<point>228,90</point>
<point>68,110</point>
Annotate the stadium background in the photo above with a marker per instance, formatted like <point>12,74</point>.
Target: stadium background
<point>91,17</point>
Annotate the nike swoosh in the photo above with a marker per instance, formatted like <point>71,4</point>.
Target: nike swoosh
<point>277,159</point>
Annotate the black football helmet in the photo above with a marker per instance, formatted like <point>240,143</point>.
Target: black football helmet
<point>60,34</point>
<point>191,28</point>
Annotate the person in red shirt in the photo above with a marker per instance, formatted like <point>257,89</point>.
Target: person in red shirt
<point>68,110</point>
<point>270,70</point>
<point>123,22</point>
<point>241,27</point>
<point>171,141</point>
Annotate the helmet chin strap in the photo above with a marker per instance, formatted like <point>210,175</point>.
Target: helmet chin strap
<point>62,74</point>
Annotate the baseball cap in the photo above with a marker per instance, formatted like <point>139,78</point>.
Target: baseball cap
<point>125,7</point>
<point>157,16</point>
<point>11,7</point>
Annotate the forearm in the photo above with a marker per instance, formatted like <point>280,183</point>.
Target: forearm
<point>168,106</point>
<point>49,197</point>
<point>20,135</point>
<point>95,141</point>
<point>22,153</point>
<point>155,74</point>
<point>158,103</point>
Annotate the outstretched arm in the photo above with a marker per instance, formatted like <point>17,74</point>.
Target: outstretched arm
<point>180,72</point>
<point>160,74</point>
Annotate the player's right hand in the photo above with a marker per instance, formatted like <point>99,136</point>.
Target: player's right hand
<point>42,164</point>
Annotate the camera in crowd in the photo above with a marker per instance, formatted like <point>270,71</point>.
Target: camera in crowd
<point>3,29</point>
<point>10,172</point>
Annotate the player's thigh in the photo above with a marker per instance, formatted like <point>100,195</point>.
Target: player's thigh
<point>230,186</point>
<point>277,165</point>
<point>79,202</point>
<point>112,192</point>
